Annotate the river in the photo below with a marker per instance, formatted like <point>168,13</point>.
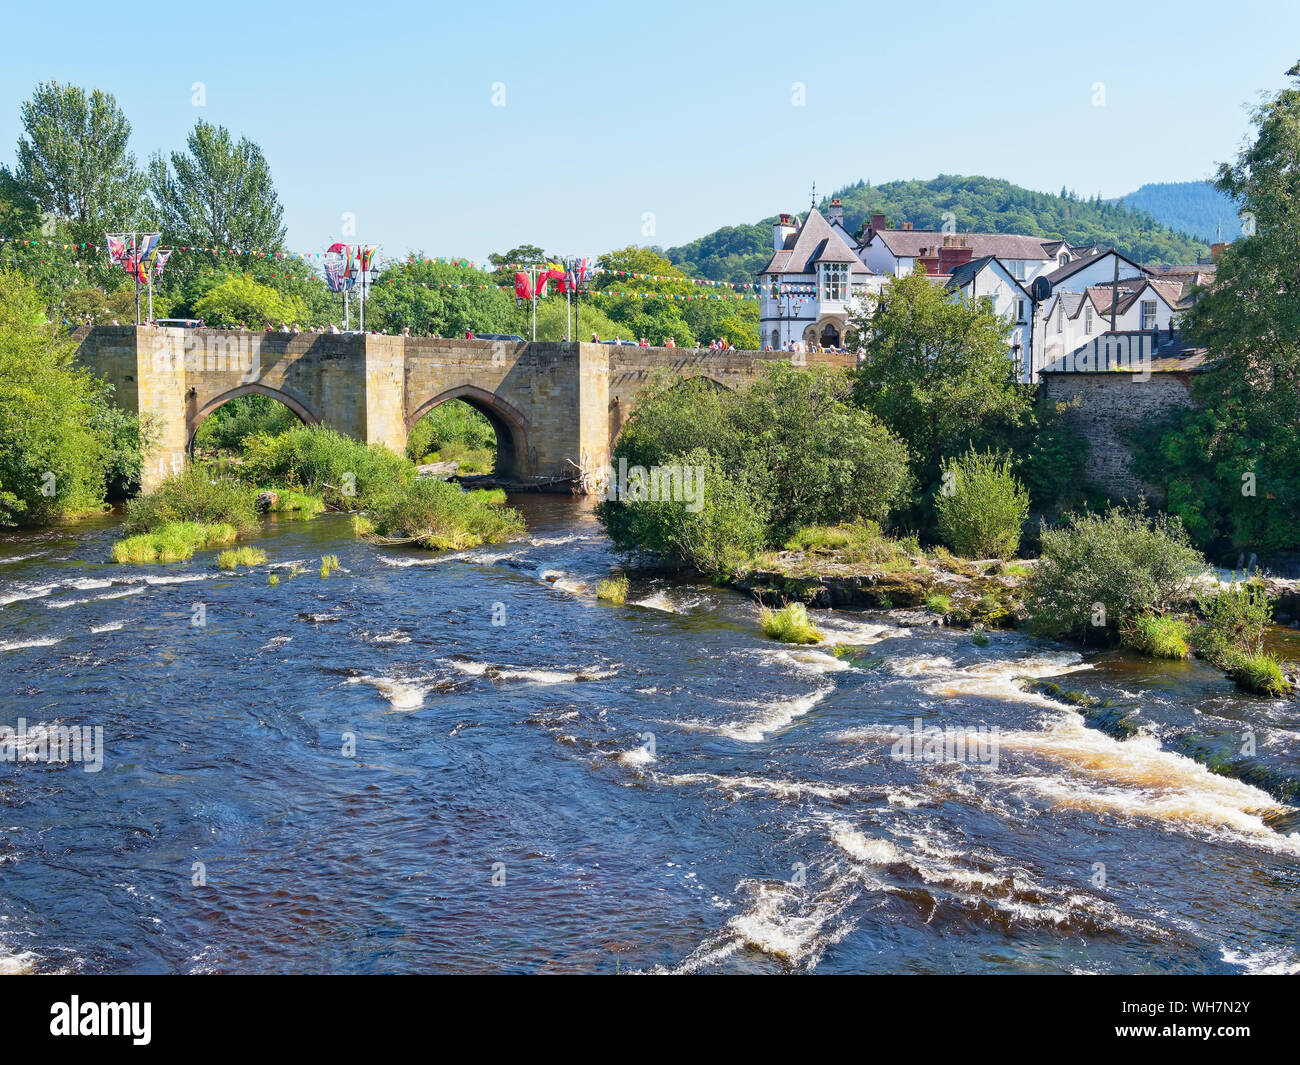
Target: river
<point>540,782</point>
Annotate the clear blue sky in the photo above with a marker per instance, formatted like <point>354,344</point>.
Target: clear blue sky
<point>682,110</point>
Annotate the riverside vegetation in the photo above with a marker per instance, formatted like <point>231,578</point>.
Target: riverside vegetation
<point>801,478</point>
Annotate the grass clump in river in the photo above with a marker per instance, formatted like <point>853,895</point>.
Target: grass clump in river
<point>790,624</point>
<point>1157,637</point>
<point>938,603</point>
<point>240,556</point>
<point>173,542</point>
<point>613,589</point>
<point>328,564</point>
<point>443,517</point>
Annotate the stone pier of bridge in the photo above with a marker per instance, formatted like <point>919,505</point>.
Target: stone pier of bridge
<point>554,406</point>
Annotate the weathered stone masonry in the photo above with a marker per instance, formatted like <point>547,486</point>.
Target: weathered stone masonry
<point>551,404</point>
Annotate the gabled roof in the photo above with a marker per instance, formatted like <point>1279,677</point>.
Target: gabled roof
<point>815,241</point>
<point>1070,302</point>
<point>1131,290</point>
<point>966,273</point>
<point>1095,254</point>
<point>907,243</point>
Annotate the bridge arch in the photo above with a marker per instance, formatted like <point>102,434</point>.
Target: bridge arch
<point>511,427</point>
<point>196,414</point>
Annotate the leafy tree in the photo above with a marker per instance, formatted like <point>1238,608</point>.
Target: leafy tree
<point>218,193</point>
<point>53,450</point>
<point>73,161</point>
<point>792,441</point>
<point>524,255</point>
<point>433,297</point>
<point>240,300</point>
<point>1232,467</point>
<point>936,371</point>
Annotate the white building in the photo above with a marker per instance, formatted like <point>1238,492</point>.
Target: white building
<point>812,283</point>
<point>1073,320</point>
<point>991,280</point>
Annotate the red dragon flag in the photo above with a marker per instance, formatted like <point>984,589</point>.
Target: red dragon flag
<point>523,289</point>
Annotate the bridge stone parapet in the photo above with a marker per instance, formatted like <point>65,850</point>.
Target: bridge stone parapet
<point>554,406</point>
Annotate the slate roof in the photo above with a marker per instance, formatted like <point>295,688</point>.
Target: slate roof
<point>815,241</point>
<point>1062,273</point>
<point>907,243</point>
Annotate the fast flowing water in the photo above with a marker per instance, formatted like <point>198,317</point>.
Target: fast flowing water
<point>465,762</point>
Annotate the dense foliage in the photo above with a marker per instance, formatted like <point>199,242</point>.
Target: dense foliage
<point>1232,466</point>
<point>977,204</point>
<point>1099,572</point>
<point>345,473</point>
<point>1196,208</point>
<point>981,507</point>
<point>193,495</point>
<point>58,438</point>
<point>788,451</point>
<point>442,516</point>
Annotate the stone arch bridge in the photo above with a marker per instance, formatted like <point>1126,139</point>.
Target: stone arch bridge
<point>550,403</point>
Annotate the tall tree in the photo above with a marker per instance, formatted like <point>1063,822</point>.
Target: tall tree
<point>73,161</point>
<point>936,371</point>
<point>218,193</point>
<point>1233,465</point>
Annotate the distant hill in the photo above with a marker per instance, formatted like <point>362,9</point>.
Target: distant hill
<point>1194,207</point>
<point>981,205</point>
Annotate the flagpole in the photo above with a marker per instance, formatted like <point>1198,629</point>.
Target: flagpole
<point>533,271</point>
<point>135,272</point>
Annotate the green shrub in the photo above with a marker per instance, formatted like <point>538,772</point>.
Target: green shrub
<point>345,473</point>
<point>859,542</point>
<point>442,516</point>
<point>719,533</point>
<point>1258,672</point>
<point>272,579</point>
<point>792,444</point>
<point>56,433</point>
<point>1157,637</point>
<point>193,495</point>
<point>1235,619</point>
<point>790,624</point>
<point>1100,571</point>
<point>328,564</point>
<point>937,603</point>
<point>612,589</point>
<point>982,506</point>
<point>240,556</point>
<point>174,542</point>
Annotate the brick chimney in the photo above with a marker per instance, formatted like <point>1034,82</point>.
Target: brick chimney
<point>953,254</point>
<point>929,260</point>
<point>1216,250</point>
<point>835,213</point>
<point>907,226</point>
<point>781,229</point>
